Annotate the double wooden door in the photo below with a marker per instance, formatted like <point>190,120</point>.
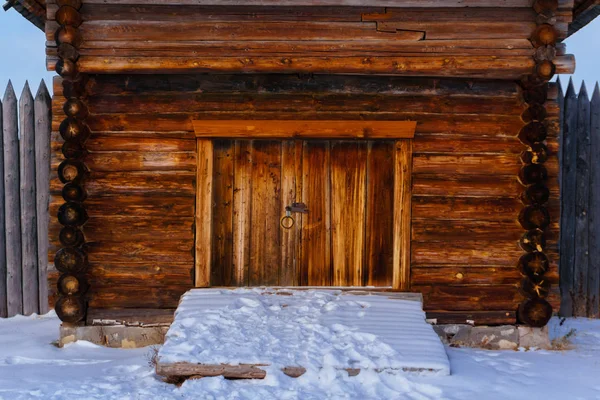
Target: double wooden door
<point>356,231</point>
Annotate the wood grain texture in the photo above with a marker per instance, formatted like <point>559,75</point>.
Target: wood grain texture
<point>204,212</point>
<point>465,151</point>
<point>3,266</point>
<point>265,253</point>
<point>402,215</point>
<point>316,225</point>
<point>348,202</point>
<point>379,211</point>
<point>278,129</point>
<point>291,192</point>
<point>43,121</point>
<point>242,203</point>
<point>12,203</point>
<point>222,271</point>
<point>29,267</point>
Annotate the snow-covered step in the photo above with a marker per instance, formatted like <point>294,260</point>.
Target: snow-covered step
<point>244,332</point>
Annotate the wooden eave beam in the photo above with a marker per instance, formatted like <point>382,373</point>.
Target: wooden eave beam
<point>30,9</point>
<point>286,129</point>
<point>583,14</point>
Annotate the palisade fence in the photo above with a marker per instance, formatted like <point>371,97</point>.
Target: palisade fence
<point>24,195</point>
<point>580,202</point>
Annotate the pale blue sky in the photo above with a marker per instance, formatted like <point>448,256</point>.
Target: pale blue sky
<point>22,53</point>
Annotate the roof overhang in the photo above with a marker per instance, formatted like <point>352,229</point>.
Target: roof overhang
<point>584,12</point>
<point>33,10</point>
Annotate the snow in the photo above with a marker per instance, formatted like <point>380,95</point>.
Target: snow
<point>31,367</point>
<point>309,328</point>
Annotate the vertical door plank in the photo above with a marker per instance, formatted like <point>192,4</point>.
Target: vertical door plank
<point>380,212</point>
<point>242,203</point>
<point>222,271</point>
<point>316,225</point>
<point>402,214</point>
<point>204,199</point>
<point>291,190</point>
<point>348,198</point>
<point>28,204</point>
<point>265,251</point>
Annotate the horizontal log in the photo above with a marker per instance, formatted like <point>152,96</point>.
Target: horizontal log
<point>467,252</point>
<point>115,228</point>
<point>138,316</point>
<point>136,296</point>
<point>485,125</point>
<point>131,141</point>
<point>448,230</point>
<point>443,66</point>
<point>465,186</point>
<point>285,129</point>
<point>568,4</point>
<point>471,275</point>
<point>118,161</point>
<point>135,206</point>
<point>279,84</point>
<point>109,275</point>
<point>458,47</point>
<point>469,208</point>
<point>425,143</point>
<point>150,251</point>
<point>466,165</point>
<point>476,209</point>
<point>427,27</point>
<point>176,13</point>
<point>473,317</point>
<point>199,102</point>
<point>469,297</point>
<point>148,183</point>
<point>565,64</point>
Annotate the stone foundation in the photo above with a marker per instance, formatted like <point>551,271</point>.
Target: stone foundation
<point>120,336</point>
<point>505,337</point>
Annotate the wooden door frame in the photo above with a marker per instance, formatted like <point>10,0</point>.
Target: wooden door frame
<point>400,131</point>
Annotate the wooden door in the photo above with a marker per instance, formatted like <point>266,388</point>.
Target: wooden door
<point>356,231</point>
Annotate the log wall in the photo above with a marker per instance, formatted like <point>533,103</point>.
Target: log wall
<point>465,189</point>
<point>449,38</point>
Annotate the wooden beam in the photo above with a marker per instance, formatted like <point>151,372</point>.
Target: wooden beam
<point>296,129</point>
<point>402,215</point>
<point>204,187</point>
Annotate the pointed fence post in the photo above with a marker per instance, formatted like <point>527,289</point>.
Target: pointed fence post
<point>43,128</point>
<point>567,237</point>
<point>28,203</point>
<point>582,206</point>
<point>10,133</point>
<point>3,271</point>
<point>594,256</point>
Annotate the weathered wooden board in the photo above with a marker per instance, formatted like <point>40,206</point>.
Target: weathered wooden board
<point>348,198</point>
<point>204,213</point>
<point>379,212</point>
<point>316,225</point>
<point>12,203</point>
<point>456,151</point>
<point>43,120</point>
<point>28,203</point>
